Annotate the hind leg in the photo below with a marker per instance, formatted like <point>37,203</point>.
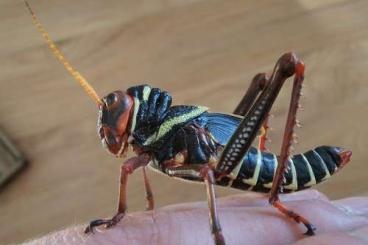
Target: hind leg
<point>285,152</point>
<point>255,115</point>
<point>258,85</point>
<point>298,218</point>
<point>150,203</point>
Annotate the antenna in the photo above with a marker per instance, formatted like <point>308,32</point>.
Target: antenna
<point>58,54</point>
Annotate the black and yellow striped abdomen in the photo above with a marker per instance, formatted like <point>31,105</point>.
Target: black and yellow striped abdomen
<point>169,131</point>
<point>257,170</point>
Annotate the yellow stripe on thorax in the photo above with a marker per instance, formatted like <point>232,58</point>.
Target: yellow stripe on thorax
<point>169,124</point>
<point>146,93</point>
<point>135,113</point>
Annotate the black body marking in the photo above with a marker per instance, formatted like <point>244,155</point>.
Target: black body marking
<point>203,135</point>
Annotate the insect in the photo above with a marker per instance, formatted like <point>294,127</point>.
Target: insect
<point>192,143</point>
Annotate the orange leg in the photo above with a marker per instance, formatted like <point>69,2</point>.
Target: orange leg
<point>258,84</point>
<point>255,113</point>
<point>283,209</point>
<point>263,138</point>
<point>149,195</point>
<point>285,151</point>
<point>209,179</point>
<point>127,168</point>
<point>205,173</point>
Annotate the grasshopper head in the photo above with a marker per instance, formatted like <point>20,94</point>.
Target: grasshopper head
<point>112,125</point>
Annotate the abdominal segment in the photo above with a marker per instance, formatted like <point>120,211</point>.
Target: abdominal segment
<point>257,169</point>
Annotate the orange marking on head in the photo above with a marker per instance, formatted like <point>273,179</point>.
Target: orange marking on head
<point>122,122</point>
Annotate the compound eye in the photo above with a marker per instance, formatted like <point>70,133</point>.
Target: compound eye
<point>111,100</point>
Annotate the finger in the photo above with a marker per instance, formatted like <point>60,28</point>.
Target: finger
<point>252,224</point>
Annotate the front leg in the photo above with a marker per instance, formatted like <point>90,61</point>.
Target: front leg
<point>127,168</point>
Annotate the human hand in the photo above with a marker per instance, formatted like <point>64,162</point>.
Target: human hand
<point>245,219</point>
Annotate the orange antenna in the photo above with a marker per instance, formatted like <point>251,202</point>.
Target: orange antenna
<point>77,76</point>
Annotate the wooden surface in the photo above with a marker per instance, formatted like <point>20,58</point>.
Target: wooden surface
<point>204,52</point>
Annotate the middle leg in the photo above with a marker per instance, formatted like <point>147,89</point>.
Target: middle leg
<point>205,173</point>
<point>150,203</point>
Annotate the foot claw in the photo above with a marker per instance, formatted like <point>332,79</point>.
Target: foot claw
<point>110,224</point>
<point>311,228</point>
<point>107,222</point>
<point>88,230</point>
<point>93,224</point>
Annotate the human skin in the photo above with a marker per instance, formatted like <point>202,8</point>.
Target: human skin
<point>245,219</point>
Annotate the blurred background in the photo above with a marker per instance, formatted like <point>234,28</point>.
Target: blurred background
<point>204,52</point>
